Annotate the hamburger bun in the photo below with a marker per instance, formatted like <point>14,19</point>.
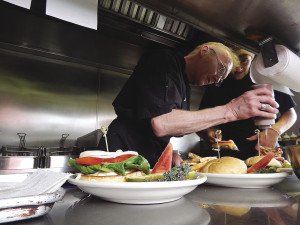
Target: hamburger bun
<point>252,160</point>
<point>108,177</point>
<point>232,210</point>
<point>227,165</point>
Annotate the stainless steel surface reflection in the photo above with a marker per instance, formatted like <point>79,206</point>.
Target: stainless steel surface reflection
<point>93,210</point>
<point>240,197</point>
<point>246,206</point>
<point>293,152</point>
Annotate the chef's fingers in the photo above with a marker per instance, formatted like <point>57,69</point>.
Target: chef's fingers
<point>252,138</point>
<point>268,101</point>
<point>263,91</point>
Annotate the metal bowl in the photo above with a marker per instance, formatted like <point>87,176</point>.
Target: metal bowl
<point>293,152</point>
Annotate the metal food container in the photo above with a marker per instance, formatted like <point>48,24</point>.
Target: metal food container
<point>90,140</point>
<point>16,159</point>
<point>22,159</point>
<point>57,158</point>
<point>19,162</point>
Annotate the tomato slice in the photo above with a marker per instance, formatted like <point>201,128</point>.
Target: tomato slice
<point>96,161</point>
<point>261,163</point>
<point>164,162</point>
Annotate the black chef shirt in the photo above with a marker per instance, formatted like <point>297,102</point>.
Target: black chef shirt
<point>157,85</point>
<point>238,131</point>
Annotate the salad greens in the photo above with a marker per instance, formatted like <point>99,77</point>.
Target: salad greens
<point>272,169</point>
<point>136,162</point>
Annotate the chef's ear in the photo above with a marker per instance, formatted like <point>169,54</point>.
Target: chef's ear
<point>204,49</point>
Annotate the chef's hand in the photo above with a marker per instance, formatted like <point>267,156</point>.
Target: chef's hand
<point>258,102</point>
<point>267,138</point>
<point>209,135</point>
<point>176,159</point>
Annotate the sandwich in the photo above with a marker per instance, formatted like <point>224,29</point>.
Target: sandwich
<point>225,165</point>
<point>266,163</point>
<point>196,162</point>
<point>230,145</point>
<point>109,166</point>
<point>128,166</point>
<point>265,150</point>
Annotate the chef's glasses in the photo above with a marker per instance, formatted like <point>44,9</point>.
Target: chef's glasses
<point>221,70</point>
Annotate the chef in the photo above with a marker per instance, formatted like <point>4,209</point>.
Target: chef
<point>154,104</point>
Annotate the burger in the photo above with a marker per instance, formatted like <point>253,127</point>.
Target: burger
<point>225,165</point>
<point>109,166</point>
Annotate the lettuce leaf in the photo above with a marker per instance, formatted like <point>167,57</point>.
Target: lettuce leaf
<point>135,162</point>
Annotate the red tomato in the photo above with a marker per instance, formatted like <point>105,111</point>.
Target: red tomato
<point>261,163</point>
<point>164,162</point>
<point>96,161</point>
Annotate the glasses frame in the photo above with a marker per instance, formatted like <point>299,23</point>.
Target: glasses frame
<point>221,70</point>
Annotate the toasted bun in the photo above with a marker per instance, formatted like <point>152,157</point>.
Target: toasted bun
<point>252,160</point>
<point>118,178</point>
<point>228,165</point>
<point>232,210</point>
<point>108,177</point>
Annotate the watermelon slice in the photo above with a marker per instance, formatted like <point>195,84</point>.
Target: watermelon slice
<point>164,162</point>
<point>261,163</point>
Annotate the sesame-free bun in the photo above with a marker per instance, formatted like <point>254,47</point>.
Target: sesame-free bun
<point>227,165</point>
<point>108,177</point>
<point>118,178</point>
<point>252,160</point>
<point>232,210</point>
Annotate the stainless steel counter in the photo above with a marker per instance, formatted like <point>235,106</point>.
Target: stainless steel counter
<point>205,205</point>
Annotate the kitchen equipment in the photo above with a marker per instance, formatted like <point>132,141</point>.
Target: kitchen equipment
<point>90,140</point>
<point>293,152</point>
<point>23,159</point>
<point>16,158</point>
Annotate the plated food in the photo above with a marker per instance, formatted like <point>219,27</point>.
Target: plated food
<point>128,166</point>
<point>255,172</point>
<point>268,163</point>
<point>126,177</point>
<point>226,165</point>
<point>109,166</point>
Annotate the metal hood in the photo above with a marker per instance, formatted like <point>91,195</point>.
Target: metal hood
<point>229,19</point>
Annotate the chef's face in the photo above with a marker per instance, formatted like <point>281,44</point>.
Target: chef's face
<point>243,70</point>
<point>213,67</point>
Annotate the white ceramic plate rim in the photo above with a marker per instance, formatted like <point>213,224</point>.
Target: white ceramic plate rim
<point>247,176</point>
<point>140,185</point>
<point>245,180</point>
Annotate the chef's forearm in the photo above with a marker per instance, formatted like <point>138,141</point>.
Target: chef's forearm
<point>286,121</point>
<point>180,122</point>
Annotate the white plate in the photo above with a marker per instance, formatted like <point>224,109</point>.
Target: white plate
<point>139,192</point>
<point>261,180</point>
